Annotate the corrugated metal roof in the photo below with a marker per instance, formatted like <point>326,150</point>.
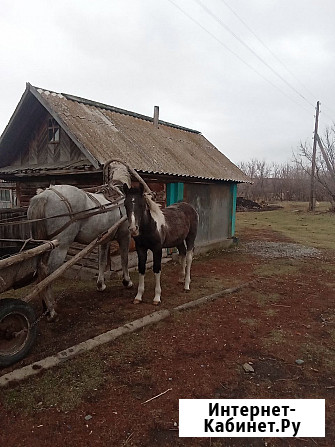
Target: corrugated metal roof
<point>104,132</point>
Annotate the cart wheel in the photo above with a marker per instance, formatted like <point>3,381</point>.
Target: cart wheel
<point>17,331</point>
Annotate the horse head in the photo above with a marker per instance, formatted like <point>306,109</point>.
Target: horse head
<point>136,207</point>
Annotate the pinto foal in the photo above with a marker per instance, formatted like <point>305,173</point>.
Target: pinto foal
<point>154,229</point>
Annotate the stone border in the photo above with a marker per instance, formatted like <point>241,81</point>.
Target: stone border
<point>107,337</point>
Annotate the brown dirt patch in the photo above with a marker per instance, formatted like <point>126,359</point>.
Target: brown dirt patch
<point>287,314</point>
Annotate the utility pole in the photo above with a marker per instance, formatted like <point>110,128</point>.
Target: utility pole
<point>312,192</point>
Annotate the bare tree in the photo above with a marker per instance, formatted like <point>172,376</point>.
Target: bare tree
<point>258,171</point>
<point>324,164</point>
<point>274,181</point>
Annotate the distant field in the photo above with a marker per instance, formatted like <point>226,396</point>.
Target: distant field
<point>296,222</point>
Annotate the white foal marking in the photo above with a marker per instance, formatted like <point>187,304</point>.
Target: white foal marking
<point>132,221</point>
<point>133,228</point>
<point>183,268</point>
<point>140,289</point>
<point>156,213</point>
<point>189,257</point>
<point>158,289</point>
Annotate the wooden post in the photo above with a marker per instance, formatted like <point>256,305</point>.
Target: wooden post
<point>312,192</point>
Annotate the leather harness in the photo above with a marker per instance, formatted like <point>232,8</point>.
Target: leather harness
<point>99,209</point>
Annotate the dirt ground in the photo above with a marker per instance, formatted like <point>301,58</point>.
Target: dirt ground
<point>99,399</point>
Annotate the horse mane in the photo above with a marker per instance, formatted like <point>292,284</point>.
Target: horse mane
<point>155,211</point>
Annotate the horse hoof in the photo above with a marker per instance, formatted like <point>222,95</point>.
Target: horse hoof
<point>52,318</point>
<point>137,301</point>
<point>156,303</point>
<point>127,284</point>
<point>101,288</point>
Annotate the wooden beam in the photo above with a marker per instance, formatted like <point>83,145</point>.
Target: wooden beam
<point>20,257</point>
<point>312,191</point>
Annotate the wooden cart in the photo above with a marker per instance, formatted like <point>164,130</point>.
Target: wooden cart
<point>18,324</point>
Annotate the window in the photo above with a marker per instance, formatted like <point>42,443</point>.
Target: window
<point>53,131</point>
<point>4,195</point>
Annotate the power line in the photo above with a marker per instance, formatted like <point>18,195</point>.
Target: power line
<point>221,23</point>
<point>275,56</point>
<point>236,55</point>
<point>266,47</point>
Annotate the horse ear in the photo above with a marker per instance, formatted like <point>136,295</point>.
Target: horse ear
<point>141,189</point>
<point>125,188</point>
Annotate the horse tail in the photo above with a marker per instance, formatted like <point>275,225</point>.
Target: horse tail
<point>36,211</point>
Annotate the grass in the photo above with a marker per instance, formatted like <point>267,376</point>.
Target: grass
<point>62,388</point>
<point>295,222</point>
<point>65,388</point>
<point>327,267</point>
<point>270,312</point>
<point>251,322</point>
<point>318,355</point>
<point>278,267</point>
<point>276,337</point>
<point>265,299</point>
<point>58,286</point>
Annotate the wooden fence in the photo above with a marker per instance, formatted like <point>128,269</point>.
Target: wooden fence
<point>10,230</point>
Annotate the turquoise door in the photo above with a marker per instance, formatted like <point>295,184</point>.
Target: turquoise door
<point>174,193</point>
<point>233,189</point>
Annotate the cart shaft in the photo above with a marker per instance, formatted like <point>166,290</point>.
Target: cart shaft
<point>54,275</point>
<point>20,257</point>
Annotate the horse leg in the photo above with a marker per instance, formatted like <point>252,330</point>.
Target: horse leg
<point>56,259</point>
<point>103,251</point>
<point>189,258</point>
<point>123,241</point>
<point>190,239</point>
<point>182,259</point>
<point>46,296</point>
<point>157,255</point>
<point>50,304</point>
<point>142,259</point>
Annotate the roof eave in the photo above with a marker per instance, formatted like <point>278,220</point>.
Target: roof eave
<point>201,178</point>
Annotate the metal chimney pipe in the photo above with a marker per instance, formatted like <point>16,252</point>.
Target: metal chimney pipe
<point>156,116</point>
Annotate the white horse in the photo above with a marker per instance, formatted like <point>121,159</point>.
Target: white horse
<point>61,209</point>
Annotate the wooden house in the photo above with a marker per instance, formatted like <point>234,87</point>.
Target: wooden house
<point>56,138</point>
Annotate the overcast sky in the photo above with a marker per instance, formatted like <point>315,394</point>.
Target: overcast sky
<point>190,57</point>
